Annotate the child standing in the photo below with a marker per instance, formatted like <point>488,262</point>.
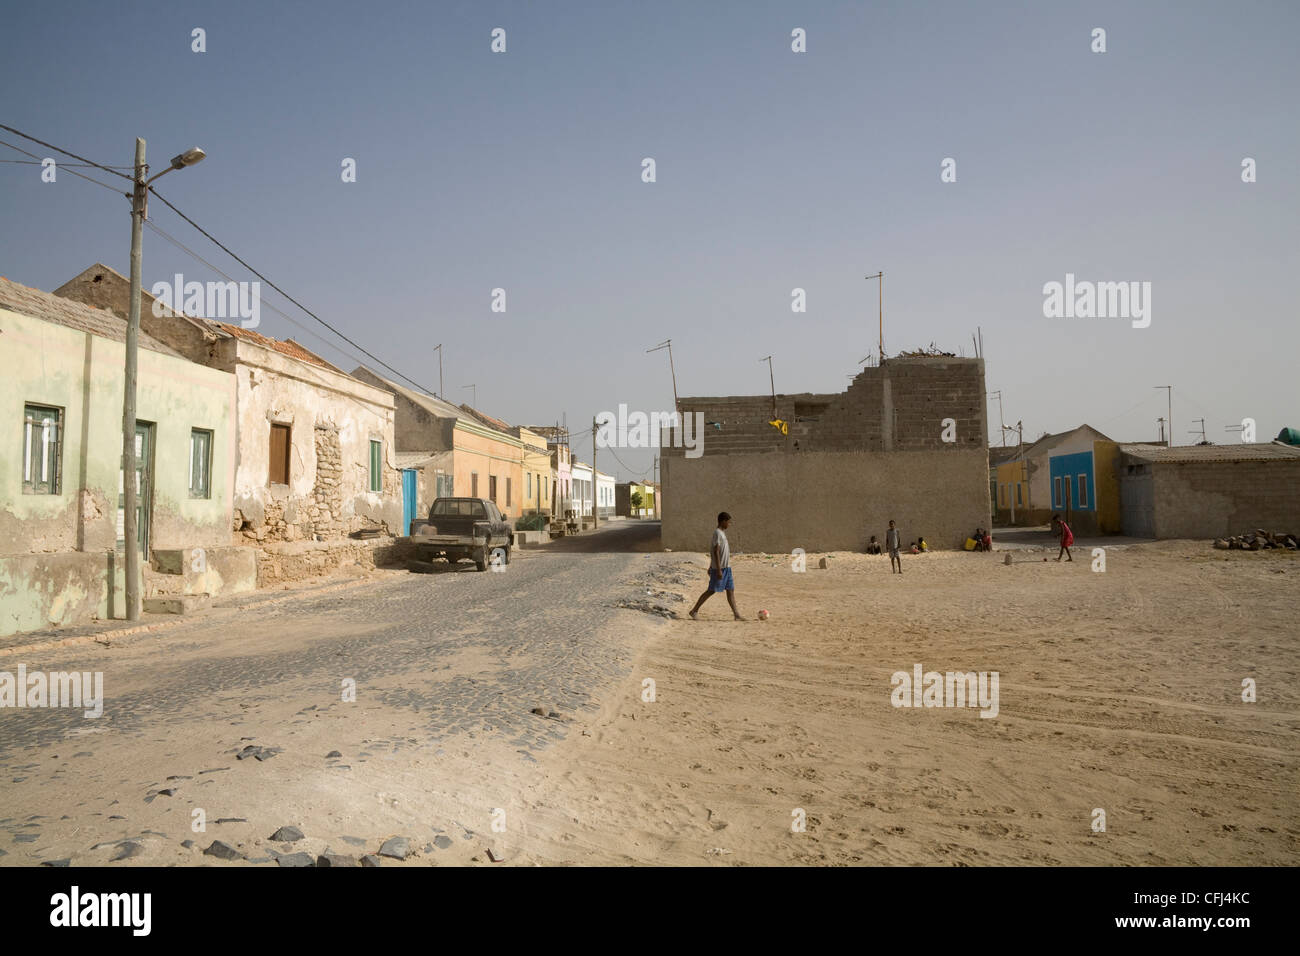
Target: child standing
<point>892,540</point>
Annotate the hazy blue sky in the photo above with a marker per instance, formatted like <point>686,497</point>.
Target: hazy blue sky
<point>775,170</point>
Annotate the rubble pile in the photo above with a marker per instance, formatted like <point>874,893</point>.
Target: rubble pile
<point>1259,540</point>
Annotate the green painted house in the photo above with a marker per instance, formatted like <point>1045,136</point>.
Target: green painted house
<point>61,550</point>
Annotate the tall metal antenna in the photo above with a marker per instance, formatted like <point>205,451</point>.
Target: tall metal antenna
<point>772,379</point>
<point>668,344</point>
<point>881,276</point>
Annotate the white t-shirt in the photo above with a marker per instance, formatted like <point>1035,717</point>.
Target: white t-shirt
<point>722,559</point>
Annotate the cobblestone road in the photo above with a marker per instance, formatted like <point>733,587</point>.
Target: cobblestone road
<point>456,658</point>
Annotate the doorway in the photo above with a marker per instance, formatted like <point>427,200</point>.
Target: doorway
<point>144,442</point>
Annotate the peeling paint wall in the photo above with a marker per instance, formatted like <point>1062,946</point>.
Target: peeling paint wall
<point>81,374</point>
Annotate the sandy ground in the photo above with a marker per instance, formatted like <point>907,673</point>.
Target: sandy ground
<point>1119,691</point>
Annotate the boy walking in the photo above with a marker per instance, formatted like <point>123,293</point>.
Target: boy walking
<point>719,568</point>
<point>892,539</point>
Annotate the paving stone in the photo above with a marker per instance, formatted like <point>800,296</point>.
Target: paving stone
<point>286,835</point>
<point>296,859</point>
<point>398,848</point>
<point>370,860</point>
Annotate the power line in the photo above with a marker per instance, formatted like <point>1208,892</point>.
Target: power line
<point>214,240</point>
<point>280,312</point>
<point>37,161</point>
<point>107,169</point>
<point>232,255</point>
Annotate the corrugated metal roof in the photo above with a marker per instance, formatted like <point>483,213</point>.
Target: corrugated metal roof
<point>85,318</point>
<point>1186,454</point>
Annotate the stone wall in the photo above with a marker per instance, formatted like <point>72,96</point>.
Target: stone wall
<point>286,562</point>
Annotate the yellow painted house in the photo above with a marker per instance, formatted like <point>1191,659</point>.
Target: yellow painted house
<point>537,472</point>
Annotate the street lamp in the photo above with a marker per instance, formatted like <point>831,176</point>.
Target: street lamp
<point>139,212</point>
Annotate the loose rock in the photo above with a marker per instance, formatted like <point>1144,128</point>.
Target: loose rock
<point>222,851</point>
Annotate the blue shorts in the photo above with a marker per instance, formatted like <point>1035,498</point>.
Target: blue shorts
<point>721,581</point>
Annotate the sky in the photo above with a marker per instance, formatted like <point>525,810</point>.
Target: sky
<point>775,170</point>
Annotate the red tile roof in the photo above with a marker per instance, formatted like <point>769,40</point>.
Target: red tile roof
<point>285,347</point>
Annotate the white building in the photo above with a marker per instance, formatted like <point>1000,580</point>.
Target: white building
<point>605,494</point>
<point>583,491</point>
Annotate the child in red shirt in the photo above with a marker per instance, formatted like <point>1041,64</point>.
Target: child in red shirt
<point>1067,538</point>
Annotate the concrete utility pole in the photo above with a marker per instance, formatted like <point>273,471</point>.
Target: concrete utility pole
<point>881,304</point>
<point>1001,421</point>
<point>1169,391</point>
<point>130,490</point>
<point>595,482</point>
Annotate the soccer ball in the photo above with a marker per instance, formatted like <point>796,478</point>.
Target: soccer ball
<point>762,615</point>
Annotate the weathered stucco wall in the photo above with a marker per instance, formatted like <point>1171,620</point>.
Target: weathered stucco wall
<point>1216,499</point>
<point>81,374</point>
<point>54,549</point>
<point>332,419</point>
<point>824,501</point>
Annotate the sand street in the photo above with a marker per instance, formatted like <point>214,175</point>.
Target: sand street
<point>769,742</point>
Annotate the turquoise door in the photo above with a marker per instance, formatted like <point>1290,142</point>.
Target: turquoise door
<point>409,487</point>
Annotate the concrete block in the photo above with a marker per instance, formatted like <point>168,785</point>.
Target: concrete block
<point>176,603</point>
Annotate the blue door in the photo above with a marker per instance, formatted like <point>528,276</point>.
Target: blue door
<point>408,498</point>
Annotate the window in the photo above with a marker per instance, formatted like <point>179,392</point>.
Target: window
<point>278,469</point>
<point>1083,491</point>
<point>1056,492</point>
<point>473,484</point>
<point>528,486</point>
<point>1019,493</point>
<point>200,463</point>
<point>42,450</point>
<point>463,507</point>
<point>492,488</point>
<point>376,465</point>
<point>508,481</point>
<point>444,486</point>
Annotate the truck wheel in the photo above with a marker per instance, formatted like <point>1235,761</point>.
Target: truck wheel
<point>480,558</point>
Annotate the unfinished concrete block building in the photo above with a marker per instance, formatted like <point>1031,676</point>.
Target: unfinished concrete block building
<point>908,440</point>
